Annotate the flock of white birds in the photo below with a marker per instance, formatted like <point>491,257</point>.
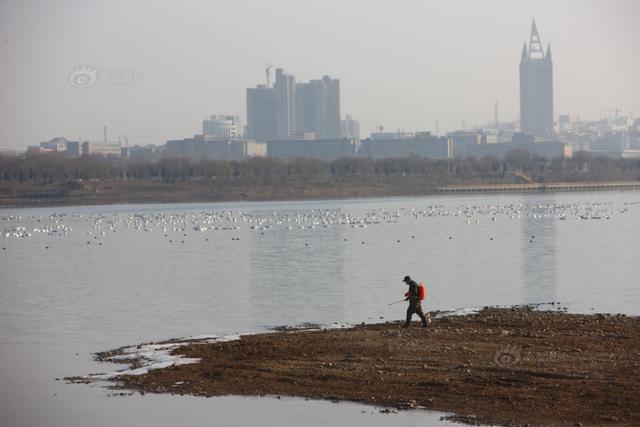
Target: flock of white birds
<point>59,224</point>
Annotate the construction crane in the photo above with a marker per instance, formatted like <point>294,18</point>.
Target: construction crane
<point>266,70</point>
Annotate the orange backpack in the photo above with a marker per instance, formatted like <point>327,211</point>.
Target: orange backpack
<point>422,291</point>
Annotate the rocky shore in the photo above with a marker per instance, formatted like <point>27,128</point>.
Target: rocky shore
<point>500,366</point>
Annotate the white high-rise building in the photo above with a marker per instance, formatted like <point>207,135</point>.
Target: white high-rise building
<point>285,87</point>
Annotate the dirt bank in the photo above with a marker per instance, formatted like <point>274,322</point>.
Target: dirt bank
<point>16,195</point>
<point>501,366</point>
<point>121,192</point>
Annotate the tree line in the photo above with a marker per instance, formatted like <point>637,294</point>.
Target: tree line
<point>54,169</point>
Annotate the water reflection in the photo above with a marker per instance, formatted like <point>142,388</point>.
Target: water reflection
<point>539,258</point>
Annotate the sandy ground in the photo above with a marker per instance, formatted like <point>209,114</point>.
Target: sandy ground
<point>503,366</point>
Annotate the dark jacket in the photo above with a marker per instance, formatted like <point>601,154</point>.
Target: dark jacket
<point>414,293</point>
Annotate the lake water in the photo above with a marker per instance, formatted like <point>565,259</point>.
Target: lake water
<point>94,278</point>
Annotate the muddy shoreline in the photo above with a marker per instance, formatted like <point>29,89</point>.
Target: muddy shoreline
<point>501,366</point>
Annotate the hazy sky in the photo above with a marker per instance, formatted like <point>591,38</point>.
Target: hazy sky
<point>401,64</point>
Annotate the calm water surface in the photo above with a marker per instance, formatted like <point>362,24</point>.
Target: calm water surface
<point>259,265</point>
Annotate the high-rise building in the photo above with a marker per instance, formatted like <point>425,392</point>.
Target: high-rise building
<point>325,95</point>
<point>294,110</point>
<point>318,108</point>
<point>285,89</point>
<point>350,128</point>
<point>261,113</point>
<point>536,87</point>
<point>221,126</point>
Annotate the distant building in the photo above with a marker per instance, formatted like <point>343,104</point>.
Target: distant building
<point>631,154</point>
<point>611,137</point>
<point>610,144</point>
<point>221,126</point>
<point>421,144</point>
<point>57,145</point>
<point>536,87</point>
<point>350,128</point>
<point>8,152</point>
<point>102,148</point>
<point>462,140</point>
<point>206,147</point>
<point>323,149</point>
<point>37,149</point>
<point>147,153</point>
<point>385,136</point>
<point>468,146</point>
<point>634,135</point>
<point>564,123</point>
<point>261,113</point>
<point>73,149</point>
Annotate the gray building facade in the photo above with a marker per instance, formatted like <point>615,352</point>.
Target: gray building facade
<point>325,94</point>
<point>322,149</point>
<point>261,113</point>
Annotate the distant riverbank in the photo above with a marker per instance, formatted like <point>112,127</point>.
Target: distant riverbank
<point>144,192</point>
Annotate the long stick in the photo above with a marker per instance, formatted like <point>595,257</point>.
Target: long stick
<point>396,302</point>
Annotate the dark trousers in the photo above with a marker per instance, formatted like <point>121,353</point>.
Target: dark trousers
<point>415,307</point>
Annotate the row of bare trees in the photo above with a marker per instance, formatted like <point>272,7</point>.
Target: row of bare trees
<point>51,169</point>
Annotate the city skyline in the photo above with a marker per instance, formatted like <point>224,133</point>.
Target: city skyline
<point>454,73</point>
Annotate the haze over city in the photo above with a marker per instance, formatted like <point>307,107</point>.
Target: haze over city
<point>402,65</point>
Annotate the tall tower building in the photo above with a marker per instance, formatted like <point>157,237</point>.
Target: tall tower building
<point>536,87</point>
<point>285,89</point>
<point>261,113</point>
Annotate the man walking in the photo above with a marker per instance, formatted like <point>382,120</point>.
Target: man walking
<point>413,296</point>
